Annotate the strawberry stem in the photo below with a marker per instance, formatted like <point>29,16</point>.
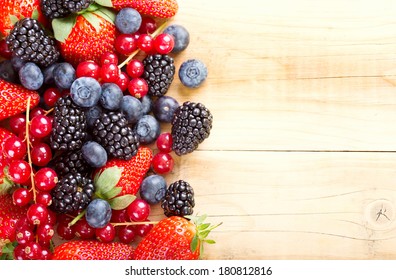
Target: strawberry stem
<point>28,149</point>
<point>132,55</point>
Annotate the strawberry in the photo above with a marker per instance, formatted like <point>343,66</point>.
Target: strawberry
<point>133,170</point>
<point>155,8</point>
<point>5,184</point>
<point>18,9</point>
<point>9,215</point>
<point>92,250</point>
<point>13,99</point>
<point>175,238</point>
<point>85,36</point>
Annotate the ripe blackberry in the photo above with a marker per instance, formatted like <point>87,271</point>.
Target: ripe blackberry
<point>71,162</point>
<point>72,193</point>
<point>74,6</point>
<point>159,71</point>
<point>111,130</point>
<point>54,9</point>
<point>68,127</point>
<point>191,125</point>
<point>178,199</point>
<point>28,41</point>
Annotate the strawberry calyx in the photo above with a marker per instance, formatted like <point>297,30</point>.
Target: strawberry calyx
<point>201,233</point>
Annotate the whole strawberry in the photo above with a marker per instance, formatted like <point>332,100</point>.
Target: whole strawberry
<point>175,238</point>
<point>133,170</point>
<point>12,10</point>
<point>155,8</point>
<point>92,250</point>
<point>85,36</point>
<point>14,99</point>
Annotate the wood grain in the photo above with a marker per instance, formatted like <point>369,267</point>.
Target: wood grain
<point>300,163</point>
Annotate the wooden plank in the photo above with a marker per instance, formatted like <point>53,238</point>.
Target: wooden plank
<point>295,205</point>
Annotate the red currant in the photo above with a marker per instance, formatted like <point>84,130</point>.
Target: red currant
<point>19,252</point>
<point>145,43</point>
<point>37,214</point>
<point>138,87</point>
<point>19,171</point>
<point>123,81</point>
<point>162,163</point>
<point>45,232</point>
<point>14,148</point>
<point>138,210</point>
<point>135,68</point>
<point>83,230</point>
<point>125,44</point>
<point>65,231</point>
<point>108,57</point>
<point>41,154</point>
<point>119,216</point>
<point>109,73</point>
<point>17,123</point>
<point>36,111</point>
<point>164,142</point>
<point>164,43</point>
<point>51,219</point>
<point>148,25</point>
<point>51,96</point>
<point>40,126</point>
<point>106,233</point>
<point>45,179</point>
<point>44,198</point>
<point>33,250</point>
<point>5,52</point>
<point>24,235</point>
<point>126,234</point>
<point>88,69</point>
<point>21,197</point>
<point>45,254</point>
<point>33,140</point>
<point>143,230</point>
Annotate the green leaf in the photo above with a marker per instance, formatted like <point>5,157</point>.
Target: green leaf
<point>107,180</point>
<point>106,3</point>
<point>14,19</point>
<point>107,14</point>
<point>63,27</point>
<point>209,241</point>
<point>112,193</point>
<point>93,20</point>
<point>194,243</point>
<point>35,14</point>
<point>202,227</point>
<point>121,202</point>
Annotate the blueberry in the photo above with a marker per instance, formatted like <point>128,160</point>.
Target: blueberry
<point>111,97</point>
<point>7,71</point>
<point>85,92</point>
<point>148,129</point>
<point>48,73</point>
<point>94,154</point>
<point>180,35</point>
<point>92,114</point>
<point>192,73</point>
<point>164,108</point>
<point>98,213</point>
<point>128,21</point>
<point>17,62</point>
<point>153,189</point>
<point>147,104</point>
<point>64,75</point>
<point>132,108</point>
<point>30,76</point>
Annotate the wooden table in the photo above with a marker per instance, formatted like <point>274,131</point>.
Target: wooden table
<point>301,160</point>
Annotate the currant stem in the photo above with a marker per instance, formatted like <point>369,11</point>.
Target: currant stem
<point>28,149</point>
<point>132,55</point>
<point>78,217</point>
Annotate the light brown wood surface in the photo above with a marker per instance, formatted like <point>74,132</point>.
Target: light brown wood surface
<point>301,160</point>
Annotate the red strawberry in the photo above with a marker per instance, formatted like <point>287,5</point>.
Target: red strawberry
<point>9,215</point>
<point>85,37</point>
<point>133,170</point>
<point>13,99</point>
<point>92,250</point>
<point>5,184</point>
<point>18,9</point>
<point>175,238</point>
<point>155,8</point>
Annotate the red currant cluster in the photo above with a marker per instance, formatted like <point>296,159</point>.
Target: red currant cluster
<point>163,161</point>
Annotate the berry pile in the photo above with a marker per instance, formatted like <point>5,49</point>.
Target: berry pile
<point>82,155</point>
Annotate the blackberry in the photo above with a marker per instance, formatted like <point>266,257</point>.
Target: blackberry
<point>72,193</point>
<point>111,130</point>
<point>74,6</point>
<point>159,71</point>
<point>191,125</point>
<point>178,199</point>
<point>68,127</point>
<point>28,41</point>
<point>54,9</point>
<point>71,162</point>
